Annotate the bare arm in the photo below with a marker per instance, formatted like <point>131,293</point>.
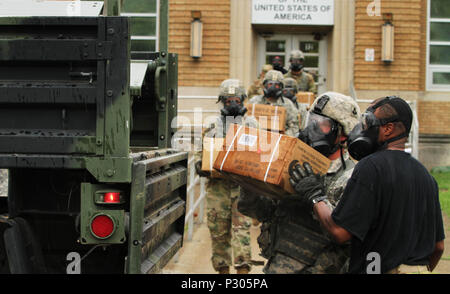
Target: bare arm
<point>323,213</point>
<point>436,255</point>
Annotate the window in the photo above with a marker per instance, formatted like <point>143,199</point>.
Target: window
<point>143,24</point>
<point>311,51</point>
<point>275,48</point>
<point>438,57</point>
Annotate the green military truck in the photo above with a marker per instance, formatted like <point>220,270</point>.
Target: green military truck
<point>85,126</point>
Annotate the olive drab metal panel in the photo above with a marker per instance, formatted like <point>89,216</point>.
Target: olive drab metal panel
<point>64,90</point>
<point>158,196</point>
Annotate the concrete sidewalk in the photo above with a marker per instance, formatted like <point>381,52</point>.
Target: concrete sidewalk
<point>195,255</point>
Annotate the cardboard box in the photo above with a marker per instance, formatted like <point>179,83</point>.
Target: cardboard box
<point>269,117</point>
<point>305,97</point>
<point>259,160</point>
<point>211,148</point>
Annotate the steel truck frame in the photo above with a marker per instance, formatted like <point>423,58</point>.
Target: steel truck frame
<point>85,126</point>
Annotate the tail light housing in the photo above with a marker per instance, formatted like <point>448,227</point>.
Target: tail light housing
<point>112,198</point>
<point>108,197</point>
<point>102,226</point>
<point>102,213</point>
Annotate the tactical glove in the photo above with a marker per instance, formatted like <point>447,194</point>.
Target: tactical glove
<point>308,185</point>
<point>200,172</point>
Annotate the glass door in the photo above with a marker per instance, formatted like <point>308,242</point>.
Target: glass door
<point>281,45</point>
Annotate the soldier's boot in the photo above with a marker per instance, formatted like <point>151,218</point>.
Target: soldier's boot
<point>243,270</point>
<point>225,270</point>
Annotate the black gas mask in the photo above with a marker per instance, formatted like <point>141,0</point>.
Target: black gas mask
<point>290,93</point>
<point>273,89</point>
<point>363,139</point>
<point>232,107</point>
<point>321,133</point>
<point>297,64</point>
<point>276,63</point>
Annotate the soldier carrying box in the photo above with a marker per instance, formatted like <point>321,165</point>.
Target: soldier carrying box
<point>230,230</point>
<point>273,95</point>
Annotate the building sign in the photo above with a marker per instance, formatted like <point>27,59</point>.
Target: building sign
<point>293,12</point>
<point>370,55</point>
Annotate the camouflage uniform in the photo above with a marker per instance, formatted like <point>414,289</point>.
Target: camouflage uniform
<point>291,237</point>
<point>229,229</point>
<point>291,240</point>
<point>305,81</point>
<point>3,182</point>
<point>292,124</point>
<point>303,112</point>
<point>256,88</point>
<point>302,109</point>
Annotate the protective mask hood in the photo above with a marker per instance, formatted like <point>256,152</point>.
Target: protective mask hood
<point>234,109</point>
<point>362,143</point>
<point>273,91</point>
<point>290,93</point>
<point>321,133</point>
<point>297,67</point>
<point>363,139</point>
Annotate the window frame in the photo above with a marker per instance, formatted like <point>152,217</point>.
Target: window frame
<point>432,68</point>
<point>155,15</point>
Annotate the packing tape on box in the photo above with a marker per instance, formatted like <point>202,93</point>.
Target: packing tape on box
<point>271,157</point>
<point>231,146</point>
<point>275,119</point>
<point>211,150</point>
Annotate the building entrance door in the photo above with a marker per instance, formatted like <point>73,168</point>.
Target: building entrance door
<point>282,45</point>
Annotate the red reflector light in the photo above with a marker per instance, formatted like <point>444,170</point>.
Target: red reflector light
<point>102,226</point>
<point>111,197</point>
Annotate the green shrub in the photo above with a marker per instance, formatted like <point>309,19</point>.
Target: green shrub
<point>443,180</point>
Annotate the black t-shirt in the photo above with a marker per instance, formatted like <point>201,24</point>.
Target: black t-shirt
<point>390,206</point>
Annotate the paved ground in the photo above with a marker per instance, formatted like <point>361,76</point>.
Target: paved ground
<point>194,256</point>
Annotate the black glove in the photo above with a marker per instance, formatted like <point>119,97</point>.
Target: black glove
<point>308,186</point>
<point>255,206</point>
<point>200,172</point>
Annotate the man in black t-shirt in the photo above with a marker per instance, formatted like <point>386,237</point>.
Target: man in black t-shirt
<point>390,207</point>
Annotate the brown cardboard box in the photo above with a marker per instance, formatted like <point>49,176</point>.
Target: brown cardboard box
<point>269,117</point>
<point>211,148</point>
<point>305,97</point>
<point>264,157</point>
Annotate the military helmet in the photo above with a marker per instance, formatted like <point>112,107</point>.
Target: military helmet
<point>296,54</point>
<point>232,88</point>
<point>266,68</point>
<point>290,83</point>
<point>338,107</point>
<point>273,75</point>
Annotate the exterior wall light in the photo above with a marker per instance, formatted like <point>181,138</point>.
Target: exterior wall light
<point>387,39</point>
<point>196,34</point>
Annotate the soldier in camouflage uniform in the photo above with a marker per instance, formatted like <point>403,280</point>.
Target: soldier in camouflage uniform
<point>256,88</point>
<point>3,182</point>
<point>305,81</point>
<point>290,91</point>
<point>277,64</point>
<point>273,95</point>
<point>230,230</point>
<point>291,239</point>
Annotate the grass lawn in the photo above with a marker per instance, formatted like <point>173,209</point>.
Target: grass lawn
<point>443,180</point>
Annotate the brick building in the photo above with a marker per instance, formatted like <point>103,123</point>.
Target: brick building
<point>342,41</point>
